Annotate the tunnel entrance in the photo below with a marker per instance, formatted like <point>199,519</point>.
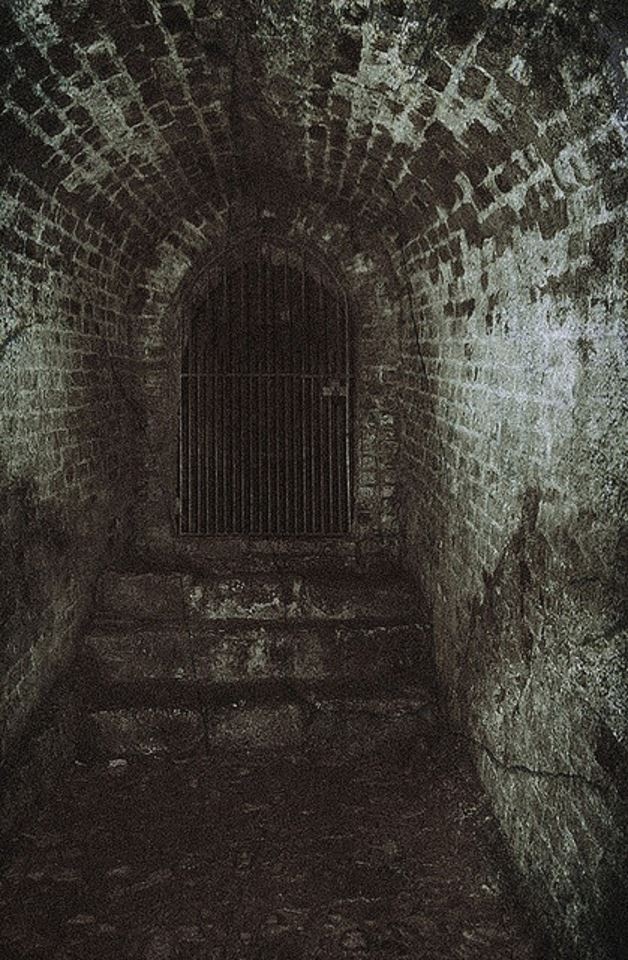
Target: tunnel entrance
<point>266,398</point>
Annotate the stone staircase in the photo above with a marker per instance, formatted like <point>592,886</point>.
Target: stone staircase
<point>333,662</point>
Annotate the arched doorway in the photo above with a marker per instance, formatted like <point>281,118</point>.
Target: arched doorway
<point>265,412</point>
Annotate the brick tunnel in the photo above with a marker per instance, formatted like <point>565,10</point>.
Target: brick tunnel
<point>313,479</point>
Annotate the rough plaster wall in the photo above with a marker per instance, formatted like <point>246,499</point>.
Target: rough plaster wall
<point>164,292</point>
<point>513,516</point>
<point>64,452</point>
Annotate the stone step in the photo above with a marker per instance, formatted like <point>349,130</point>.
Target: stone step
<point>337,594</point>
<point>187,662</point>
<point>235,554</point>
<point>202,653</point>
<point>334,724</point>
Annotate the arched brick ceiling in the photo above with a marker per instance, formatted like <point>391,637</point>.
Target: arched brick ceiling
<point>135,115</point>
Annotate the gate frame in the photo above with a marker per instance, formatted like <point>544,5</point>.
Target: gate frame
<point>187,304</point>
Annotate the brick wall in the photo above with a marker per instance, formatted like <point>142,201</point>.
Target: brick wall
<point>513,438</point>
<point>66,456</point>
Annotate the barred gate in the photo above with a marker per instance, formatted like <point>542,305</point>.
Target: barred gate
<point>265,413</point>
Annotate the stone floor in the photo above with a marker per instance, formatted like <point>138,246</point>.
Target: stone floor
<point>265,857</point>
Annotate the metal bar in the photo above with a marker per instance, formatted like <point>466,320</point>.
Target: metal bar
<point>180,525</point>
<point>233,388</point>
<point>258,408</point>
<point>348,401</point>
<point>280,412</point>
<point>310,434</point>
<point>250,461</point>
<point>224,525</point>
<point>236,421</point>
<point>303,406</point>
<point>197,424</point>
<point>259,456</point>
<point>315,386</point>
<point>294,427</point>
<point>242,413</point>
<point>266,515</point>
<point>223,410</point>
<point>294,388</point>
<point>338,425</point>
<point>195,478</point>
<point>297,414</point>
<point>218,445</point>
<point>189,433</point>
<point>288,494</point>
<point>215,434</point>
<point>180,493</point>
<point>313,461</point>
<point>321,423</point>
<point>206,417</point>
<point>330,451</point>
<point>280,460</point>
<point>228,479</point>
<point>278,493</point>
<point>302,518</point>
<point>202,421</point>
<point>227,439</point>
<point>236,418</point>
<point>268,424</point>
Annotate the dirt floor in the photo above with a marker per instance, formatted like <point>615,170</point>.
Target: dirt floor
<point>263,857</point>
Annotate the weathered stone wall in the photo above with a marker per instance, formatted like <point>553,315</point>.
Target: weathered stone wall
<point>513,433</point>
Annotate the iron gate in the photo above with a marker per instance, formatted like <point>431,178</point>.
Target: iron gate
<point>265,410</point>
